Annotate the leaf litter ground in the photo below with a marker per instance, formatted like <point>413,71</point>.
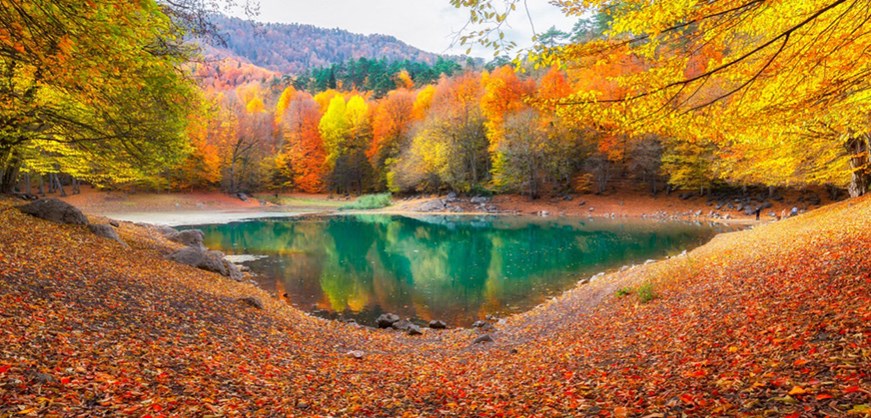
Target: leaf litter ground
<point>770,321</point>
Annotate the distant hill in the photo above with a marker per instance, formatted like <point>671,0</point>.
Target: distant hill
<point>296,48</point>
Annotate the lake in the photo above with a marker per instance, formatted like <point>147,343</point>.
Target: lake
<point>454,268</point>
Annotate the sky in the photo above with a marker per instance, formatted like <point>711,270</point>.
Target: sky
<point>429,25</point>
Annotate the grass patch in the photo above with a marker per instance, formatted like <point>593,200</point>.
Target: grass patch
<point>646,293</point>
<point>298,202</point>
<point>623,291</point>
<point>369,201</point>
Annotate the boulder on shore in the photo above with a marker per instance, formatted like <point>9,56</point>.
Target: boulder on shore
<point>435,205</point>
<point>436,324</point>
<point>414,330</point>
<point>56,211</point>
<point>486,338</point>
<point>206,260</point>
<point>106,231</point>
<point>190,237</point>
<point>386,320</point>
<point>252,302</point>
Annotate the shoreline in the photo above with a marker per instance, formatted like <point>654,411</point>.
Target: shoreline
<point>199,208</point>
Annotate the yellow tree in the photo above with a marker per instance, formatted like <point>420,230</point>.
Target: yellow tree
<point>760,73</point>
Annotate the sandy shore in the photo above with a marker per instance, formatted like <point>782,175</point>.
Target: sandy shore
<point>197,218</point>
<point>198,208</point>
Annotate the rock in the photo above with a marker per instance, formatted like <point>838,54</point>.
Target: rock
<point>591,209</point>
<point>190,256</point>
<point>402,325</point>
<point>166,231</point>
<point>190,237</point>
<point>435,205</point>
<point>56,211</point>
<point>204,260</point>
<point>480,200</point>
<point>114,223</point>
<point>26,196</point>
<point>233,271</point>
<point>582,203</point>
<point>43,378</point>
<point>543,213</point>
<point>213,261</point>
<point>452,197</point>
<point>357,354</point>
<point>568,198</point>
<point>486,338</point>
<point>106,231</point>
<point>252,302</point>
<point>479,324</point>
<point>436,324</point>
<point>386,320</point>
<point>242,196</point>
<point>414,330</point>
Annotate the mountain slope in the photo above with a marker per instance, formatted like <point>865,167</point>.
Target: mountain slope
<point>294,48</point>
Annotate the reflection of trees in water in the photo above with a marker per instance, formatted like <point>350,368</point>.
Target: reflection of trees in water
<point>437,267</point>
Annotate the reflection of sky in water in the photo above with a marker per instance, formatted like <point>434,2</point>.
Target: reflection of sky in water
<point>456,269</point>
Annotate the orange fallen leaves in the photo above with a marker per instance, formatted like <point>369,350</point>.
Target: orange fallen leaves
<point>780,325</point>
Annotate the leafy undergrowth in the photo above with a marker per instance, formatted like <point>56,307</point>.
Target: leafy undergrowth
<point>772,321</point>
<point>369,201</point>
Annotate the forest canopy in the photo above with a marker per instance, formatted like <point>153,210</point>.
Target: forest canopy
<point>692,95</point>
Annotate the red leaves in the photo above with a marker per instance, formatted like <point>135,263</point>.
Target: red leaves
<point>686,398</point>
<point>129,333</point>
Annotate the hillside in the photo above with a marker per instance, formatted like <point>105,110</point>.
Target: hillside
<point>295,48</point>
<point>770,321</point>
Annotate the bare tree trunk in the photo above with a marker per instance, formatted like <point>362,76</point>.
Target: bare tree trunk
<point>27,188</point>
<point>42,185</point>
<point>859,147</point>
<point>55,179</point>
<point>9,171</point>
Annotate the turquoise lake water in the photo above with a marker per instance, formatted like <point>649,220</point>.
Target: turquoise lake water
<point>453,268</point>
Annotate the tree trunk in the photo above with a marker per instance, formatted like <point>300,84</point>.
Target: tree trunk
<point>42,185</point>
<point>858,147</point>
<point>9,177</point>
<point>27,188</point>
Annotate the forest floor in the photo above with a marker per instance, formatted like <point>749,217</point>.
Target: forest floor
<point>769,321</point>
<point>215,207</point>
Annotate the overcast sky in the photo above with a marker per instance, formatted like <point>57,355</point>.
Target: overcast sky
<point>425,24</point>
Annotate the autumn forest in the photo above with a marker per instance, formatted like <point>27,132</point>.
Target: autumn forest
<point>660,211</point>
<point>680,111</point>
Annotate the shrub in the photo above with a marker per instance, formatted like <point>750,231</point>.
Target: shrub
<point>623,291</point>
<point>369,201</point>
<point>646,293</point>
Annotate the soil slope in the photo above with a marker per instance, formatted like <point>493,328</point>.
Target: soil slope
<point>769,321</point>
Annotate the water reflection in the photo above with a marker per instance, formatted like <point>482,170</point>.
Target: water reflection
<point>456,269</point>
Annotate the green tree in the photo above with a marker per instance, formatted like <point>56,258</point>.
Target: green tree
<point>91,88</point>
